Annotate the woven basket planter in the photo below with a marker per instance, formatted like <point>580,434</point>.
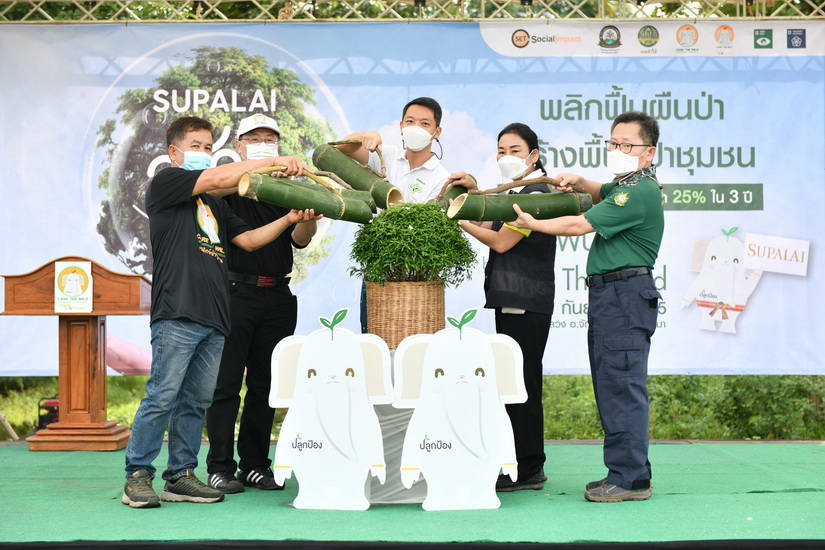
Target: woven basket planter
<point>398,310</point>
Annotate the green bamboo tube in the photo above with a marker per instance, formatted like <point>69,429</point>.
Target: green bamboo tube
<point>541,206</point>
<point>285,193</point>
<point>358,176</point>
<point>346,193</point>
<point>363,196</point>
<point>452,192</point>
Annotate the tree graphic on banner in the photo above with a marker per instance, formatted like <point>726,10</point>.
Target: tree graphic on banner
<point>244,80</point>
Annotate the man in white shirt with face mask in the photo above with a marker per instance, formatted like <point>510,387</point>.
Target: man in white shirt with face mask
<point>413,168</point>
<point>416,171</point>
<point>263,310</point>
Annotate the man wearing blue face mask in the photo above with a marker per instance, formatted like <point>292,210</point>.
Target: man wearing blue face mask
<point>190,230</point>
<point>263,311</point>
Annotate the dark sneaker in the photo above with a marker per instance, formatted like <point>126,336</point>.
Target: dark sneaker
<point>593,484</point>
<point>138,492</point>
<point>607,492</point>
<point>225,482</point>
<point>260,478</point>
<point>189,488</point>
<point>535,482</point>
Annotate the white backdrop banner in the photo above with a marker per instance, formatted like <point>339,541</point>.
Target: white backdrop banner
<point>83,111</point>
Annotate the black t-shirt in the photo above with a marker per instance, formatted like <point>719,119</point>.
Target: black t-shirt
<point>190,236</point>
<point>271,260</point>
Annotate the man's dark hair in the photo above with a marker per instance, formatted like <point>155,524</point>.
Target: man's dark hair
<point>649,126</point>
<point>427,102</point>
<point>182,126</point>
<point>528,135</point>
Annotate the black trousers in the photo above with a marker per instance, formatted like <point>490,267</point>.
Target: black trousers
<point>530,330</point>
<point>260,317</point>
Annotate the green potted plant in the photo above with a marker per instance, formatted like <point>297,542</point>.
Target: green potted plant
<point>407,255</point>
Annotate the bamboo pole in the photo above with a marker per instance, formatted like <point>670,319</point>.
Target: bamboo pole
<point>346,193</point>
<point>292,195</point>
<point>542,206</point>
<point>450,192</point>
<point>330,159</point>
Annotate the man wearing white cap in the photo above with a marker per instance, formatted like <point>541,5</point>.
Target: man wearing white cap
<point>263,310</point>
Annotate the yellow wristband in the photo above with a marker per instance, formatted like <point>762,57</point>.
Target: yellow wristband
<point>523,230</point>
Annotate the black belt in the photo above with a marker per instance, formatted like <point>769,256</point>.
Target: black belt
<point>618,275</point>
<point>258,280</point>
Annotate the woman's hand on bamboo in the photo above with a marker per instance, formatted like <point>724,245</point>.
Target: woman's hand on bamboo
<point>464,179</point>
<point>523,220</point>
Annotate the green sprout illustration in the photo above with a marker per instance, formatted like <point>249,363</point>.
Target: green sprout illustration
<point>466,317</point>
<point>339,316</point>
<point>730,231</point>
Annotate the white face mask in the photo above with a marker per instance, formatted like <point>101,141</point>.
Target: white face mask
<point>621,164</point>
<point>415,138</point>
<point>512,167</point>
<point>262,150</point>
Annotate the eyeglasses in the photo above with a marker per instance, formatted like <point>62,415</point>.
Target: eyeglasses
<point>624,147</point>
<point>256,140</point>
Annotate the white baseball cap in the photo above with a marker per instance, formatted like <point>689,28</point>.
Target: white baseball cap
<point>257,121</point>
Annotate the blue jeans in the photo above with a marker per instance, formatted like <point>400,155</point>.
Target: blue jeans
<point>185,361</point>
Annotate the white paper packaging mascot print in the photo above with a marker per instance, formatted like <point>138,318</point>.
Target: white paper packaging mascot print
<point>722,287</point>
<point>330,437</point>
<point>459,437</point>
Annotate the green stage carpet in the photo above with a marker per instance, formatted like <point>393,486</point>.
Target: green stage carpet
<point>703,491</point>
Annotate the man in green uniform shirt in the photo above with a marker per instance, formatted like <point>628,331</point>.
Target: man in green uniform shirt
<point>628,218</point>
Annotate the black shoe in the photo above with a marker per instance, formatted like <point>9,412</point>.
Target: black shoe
<point>506,485</point>
<point>260,478</point>
<point>225,482</point>
<point>189,488</point>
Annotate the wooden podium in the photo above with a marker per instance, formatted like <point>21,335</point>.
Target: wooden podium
<point>82,424</point>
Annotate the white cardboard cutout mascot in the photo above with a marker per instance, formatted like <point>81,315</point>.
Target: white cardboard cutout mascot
<point>723,285</point>
<point>330,437</point>
<point>459,437</point>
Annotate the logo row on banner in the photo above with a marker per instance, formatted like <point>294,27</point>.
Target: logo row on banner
<point>723,38</point>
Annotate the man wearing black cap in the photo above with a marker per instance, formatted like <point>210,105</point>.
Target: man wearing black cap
<point>263,311</point>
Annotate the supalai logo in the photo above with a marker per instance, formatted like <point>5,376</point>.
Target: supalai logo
<point>648,36</point>
<point>610,37</point>
<point>520,38</point>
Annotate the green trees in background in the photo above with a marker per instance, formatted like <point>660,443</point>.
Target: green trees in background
<point>247,10</point>
<point>682,407</point>
<point>136,139</point>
